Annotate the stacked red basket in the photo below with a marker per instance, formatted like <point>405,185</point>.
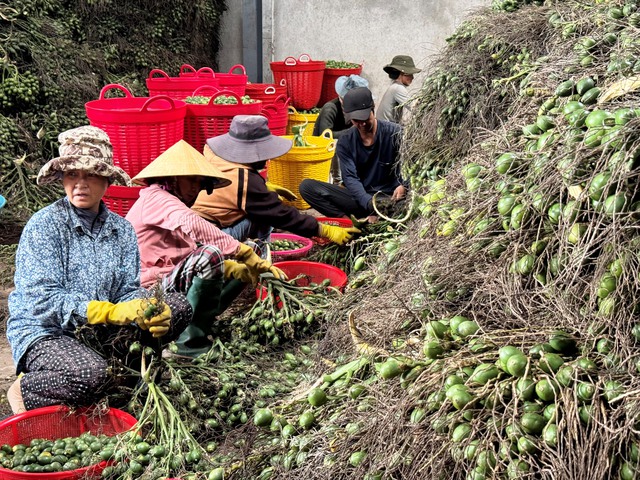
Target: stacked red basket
<point>303,78</point>
<point>140,129</point>
<point>210,120</point>
<point>159,83</point>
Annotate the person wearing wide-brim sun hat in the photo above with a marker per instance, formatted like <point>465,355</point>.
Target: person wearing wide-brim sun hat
<point>248,208</point>
<point>392,106</point>
<point>77,270</point>
<point>185,252</point>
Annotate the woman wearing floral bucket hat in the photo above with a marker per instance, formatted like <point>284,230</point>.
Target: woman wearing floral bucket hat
<point>185,252</point>
<point>78,270</point>
<point>401,70</point>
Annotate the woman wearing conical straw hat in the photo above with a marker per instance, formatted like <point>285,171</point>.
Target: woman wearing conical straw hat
<point>185,252</point>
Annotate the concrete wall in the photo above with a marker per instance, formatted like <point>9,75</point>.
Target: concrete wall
<point>361,31</point>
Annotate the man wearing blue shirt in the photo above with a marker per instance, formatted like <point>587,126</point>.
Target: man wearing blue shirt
<point>368,154</point>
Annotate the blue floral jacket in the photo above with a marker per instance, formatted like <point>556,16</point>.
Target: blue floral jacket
<point>60,267</point>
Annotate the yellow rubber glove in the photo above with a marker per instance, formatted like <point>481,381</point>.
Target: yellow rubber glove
<point>159,324</point>
<point>257,265</point>
<point>281,191</point>
<point>239,271</point>
<point>338,235</point>
<point>123,313</point>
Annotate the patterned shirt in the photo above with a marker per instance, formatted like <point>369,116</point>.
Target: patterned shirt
<point>61,267</point>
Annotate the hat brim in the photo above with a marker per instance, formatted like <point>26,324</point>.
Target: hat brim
<point>360,115</point>
<point>181,159</point>
<point>50,171</point>
<point>402,69</point>
<point>236,150</point>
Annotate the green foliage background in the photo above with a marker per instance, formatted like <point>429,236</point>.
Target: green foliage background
<point>55,55</point>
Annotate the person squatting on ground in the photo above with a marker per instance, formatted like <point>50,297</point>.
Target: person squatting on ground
<point>332,117</point>
<point>78,266</point>
<point>248,207</point>
<point>369,154</point>
<point>185,252</point>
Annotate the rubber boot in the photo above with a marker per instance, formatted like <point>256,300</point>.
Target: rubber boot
<point>230,292</point>
<point>204,297</point>
<point>208,298</point>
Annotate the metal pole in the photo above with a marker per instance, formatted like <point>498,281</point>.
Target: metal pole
<point>259,75</point>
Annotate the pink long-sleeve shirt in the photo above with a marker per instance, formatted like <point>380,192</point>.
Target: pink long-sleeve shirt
<point>168,231</point>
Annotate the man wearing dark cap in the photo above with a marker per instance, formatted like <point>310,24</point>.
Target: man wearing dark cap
<point>247,208</point>
<point>368,155</point>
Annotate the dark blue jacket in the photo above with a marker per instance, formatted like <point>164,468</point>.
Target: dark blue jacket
<point>367,170</point>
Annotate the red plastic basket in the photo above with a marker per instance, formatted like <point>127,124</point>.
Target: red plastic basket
<point>56,422</point>
<point>210,120</point>
<point>290,254</point>
<point>267,92</point>
<point>303,78</point>
<point>140,128</point>
<point>236,82</point>
<point>159,83</point>
<point>278,115</point>
<point>314,272</point>
<point>329,82</point>
<point>120,199</point>
<point>338,222</point>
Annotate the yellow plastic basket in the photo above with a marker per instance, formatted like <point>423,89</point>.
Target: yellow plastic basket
<point>296,118</point>
<point>303,162</point>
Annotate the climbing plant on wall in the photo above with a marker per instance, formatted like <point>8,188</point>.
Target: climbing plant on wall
<point>55,55</point>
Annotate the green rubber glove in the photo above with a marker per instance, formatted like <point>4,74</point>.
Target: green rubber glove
<point>337,235</point>
<point>255,264</point>
<point>281,191</point>
<point>239,271</point>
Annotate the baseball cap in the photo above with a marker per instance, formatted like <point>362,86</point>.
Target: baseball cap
<point>358,104</point>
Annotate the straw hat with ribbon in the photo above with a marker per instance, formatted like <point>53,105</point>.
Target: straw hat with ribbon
<point>181,159</point>
<point>85,148</point>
